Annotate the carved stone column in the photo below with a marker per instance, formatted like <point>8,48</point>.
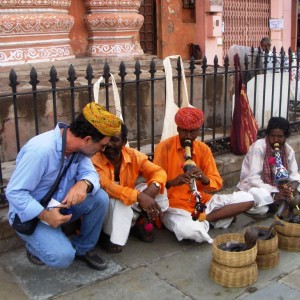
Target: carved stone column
<point>34,31</point>
<point>113,27</point>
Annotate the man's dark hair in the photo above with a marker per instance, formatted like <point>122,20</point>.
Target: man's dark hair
<point>82,128</point>
<point>265,40</point>
<point>279,123</point>
<point>265,43</point>
<point>124,132</point>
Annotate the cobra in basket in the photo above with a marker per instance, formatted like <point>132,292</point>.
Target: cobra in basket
<point>234,259</point>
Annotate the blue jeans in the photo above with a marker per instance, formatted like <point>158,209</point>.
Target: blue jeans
<point>52,246</point>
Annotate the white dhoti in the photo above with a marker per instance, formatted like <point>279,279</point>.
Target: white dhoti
<point>181,223</point>
<point>262,198</point>
<point>161,199</point>
<point>218,201</point>
<point>118,220</point>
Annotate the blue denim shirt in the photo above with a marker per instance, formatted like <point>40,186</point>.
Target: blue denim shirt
<point>37,167</point>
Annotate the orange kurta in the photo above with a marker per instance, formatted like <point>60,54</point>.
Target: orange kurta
<point>134,164</point>
<point>170,156</point>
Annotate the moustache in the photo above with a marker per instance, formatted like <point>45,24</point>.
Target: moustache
<point>110,150</point>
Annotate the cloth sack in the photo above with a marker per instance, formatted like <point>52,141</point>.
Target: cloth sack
<point>169,126</point>
<point>244,127</point>
<point>117,102</point>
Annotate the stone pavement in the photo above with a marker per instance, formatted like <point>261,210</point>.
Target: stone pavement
<point>165,269</point>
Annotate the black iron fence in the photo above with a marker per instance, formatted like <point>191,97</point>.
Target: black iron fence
<point>271,81</point>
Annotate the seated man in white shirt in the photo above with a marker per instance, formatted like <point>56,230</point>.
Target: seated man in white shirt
<point>257,174</point>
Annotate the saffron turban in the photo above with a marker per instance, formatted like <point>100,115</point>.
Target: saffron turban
<point>104,121</point>
<point>189,118</point>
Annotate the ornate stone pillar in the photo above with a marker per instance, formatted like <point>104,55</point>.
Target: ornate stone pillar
<point>113,27</point>
<point>34,31</point>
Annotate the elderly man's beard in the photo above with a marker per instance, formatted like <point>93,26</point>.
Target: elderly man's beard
<point>111,152</point>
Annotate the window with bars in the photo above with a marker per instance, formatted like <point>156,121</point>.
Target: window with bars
<point>245,22</point>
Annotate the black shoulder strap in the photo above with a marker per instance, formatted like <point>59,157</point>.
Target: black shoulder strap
<point>61,173</point>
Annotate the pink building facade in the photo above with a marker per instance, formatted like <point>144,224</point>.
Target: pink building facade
<point>48,30</point>
<point>34,31</point>
<point>215,25</point>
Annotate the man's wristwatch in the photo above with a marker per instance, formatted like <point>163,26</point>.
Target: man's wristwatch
<point>156,184</point>
<point>89,185</point>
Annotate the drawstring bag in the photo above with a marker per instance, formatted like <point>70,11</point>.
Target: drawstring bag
<point>96,90</point>
<point>244,127</point>
<point>117,102</point>
<point>169,126</point>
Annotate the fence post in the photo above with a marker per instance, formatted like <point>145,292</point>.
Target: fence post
<point>53,80</point>
<point>204,68</point>
<point>106,75</point>
<point>137,73</point>
<point>34,82</point>
<point>226,66</point>
<point>3,200</point>
<point>72,78</point>
<point>179,81</point>
<point>215,94</point>
<point>192,68</point>
<point>13,83</point>
<point>89,77</point>
<point>122,74</point>
<point>152,71</point>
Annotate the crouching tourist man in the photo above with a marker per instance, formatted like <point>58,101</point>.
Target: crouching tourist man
<point>62,155</point>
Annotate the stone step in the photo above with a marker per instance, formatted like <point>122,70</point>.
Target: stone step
<point>8,238</point>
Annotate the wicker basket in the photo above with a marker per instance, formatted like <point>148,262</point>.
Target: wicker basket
<point>288,243</point>
<point>233,277</point>
<point>289,229</point>
<point>267,261</point>
<point>233,259</point>
<point>267,246</point>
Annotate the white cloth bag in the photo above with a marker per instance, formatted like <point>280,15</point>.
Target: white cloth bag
<point>96,90</point>
<point>169,126</point>
<point>117,102</point>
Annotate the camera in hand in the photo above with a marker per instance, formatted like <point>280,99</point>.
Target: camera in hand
<point>66,211</point>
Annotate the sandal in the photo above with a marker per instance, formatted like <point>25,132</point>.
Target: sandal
<point>140,233</point>
<point>105,243</point>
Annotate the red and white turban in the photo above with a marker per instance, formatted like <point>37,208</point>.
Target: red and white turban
<point>189,118</point>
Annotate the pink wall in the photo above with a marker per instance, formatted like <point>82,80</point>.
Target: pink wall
<point>287,23</point>
<point>78,34</point>
<point>177,29</point>
<point>282,9</point>
<point>180,27</point>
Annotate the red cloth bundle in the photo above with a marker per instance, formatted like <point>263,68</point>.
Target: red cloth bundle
<point>244,127</point>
